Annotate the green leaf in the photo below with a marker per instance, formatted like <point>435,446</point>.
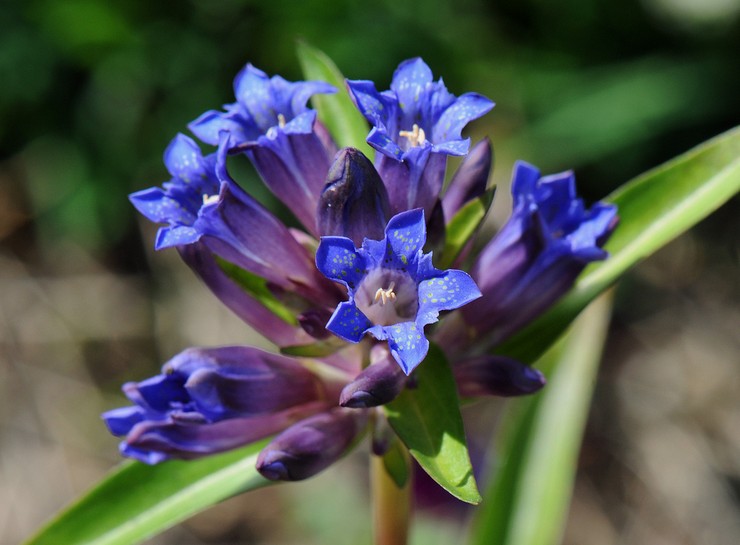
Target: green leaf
<point>346,124</point>
<point>427,419</point>
<point>256,286</point>
<point>539,440</point>
<point>396,462</point>
<point>137,501</point>
<point>462,227</point>
<point>654,208</point>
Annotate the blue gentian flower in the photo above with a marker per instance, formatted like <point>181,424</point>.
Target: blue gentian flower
<point>210,400</point>
<point>394,290</point>
<point>536,256</point>
<point>271,123</point>
<point>416,124</point>
<point>208,214</point>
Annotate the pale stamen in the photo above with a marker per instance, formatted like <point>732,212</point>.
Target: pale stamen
<point>210,199</point>
<point>416,136</point>
<point>281,121</point>
<point>385,295</point>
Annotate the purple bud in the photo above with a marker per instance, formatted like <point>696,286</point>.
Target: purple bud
<point>496,375</point>
<point>354,202</point>
<point>470,180</point>
<point>314,321</point>
<point>311,445</point>
<point>378,384</point>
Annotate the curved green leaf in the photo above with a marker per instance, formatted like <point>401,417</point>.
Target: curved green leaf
<point>346,124</point>
<point>137,501</point>
<point>427,419</point>
<point>539,440</point>
<point>463,225</point>
<point>654,208</point>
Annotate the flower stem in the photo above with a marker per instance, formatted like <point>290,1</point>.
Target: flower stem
<point>391,505</point>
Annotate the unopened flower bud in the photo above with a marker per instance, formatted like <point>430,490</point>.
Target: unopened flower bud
<point>311,445</point>
<point>378,384</point>
<point>496,375</point>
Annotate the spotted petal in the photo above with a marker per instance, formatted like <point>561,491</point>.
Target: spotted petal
<point>338,260</point>
<point>348,322</point>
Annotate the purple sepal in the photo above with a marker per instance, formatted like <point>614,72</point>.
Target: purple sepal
<point>470,180</point>
<point>354,201</point>
<point>201,260</point>
<point>377,384</point>
<point>311,445</point>
<point>497,376</point>
<point>538,254</point>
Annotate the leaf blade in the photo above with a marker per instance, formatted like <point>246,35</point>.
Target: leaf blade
<point>428,421</point>
<point>344,121</point>
<point>137,501</point>
<point>540,440</point>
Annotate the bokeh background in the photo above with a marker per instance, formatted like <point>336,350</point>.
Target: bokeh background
<point>93,90</point>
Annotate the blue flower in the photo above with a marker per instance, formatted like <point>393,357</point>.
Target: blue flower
<point>394,290</point>
<point>210,400</point>
<point>536,256</point>
<point>416,124</point>
<point>206,213</point>
<point>271,123</point>
<point>262,105</point>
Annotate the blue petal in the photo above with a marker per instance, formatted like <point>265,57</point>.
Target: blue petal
<point>524,181</point>
<point>338,259</point>
<point>409,81</point>
<point>408,344</point>
<point>466,108</point>
<point>169,237</point>
<point>449,291</point>
<point>183,158</point>
<point>348,322</point>
<point>375,107</point>
<point>405,235</point>
<point>380,140</point>
<point>155,205</point>
<point>208,126</point>
<point>252,90</point>
<point>120,421</point>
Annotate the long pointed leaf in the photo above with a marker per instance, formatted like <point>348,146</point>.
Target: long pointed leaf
<point>654,208</point>
<point>137,501</point>
<point>427,419</point>
<point>344,121</point>
<point>539,442</point>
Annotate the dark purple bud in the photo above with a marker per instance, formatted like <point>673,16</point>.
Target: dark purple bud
<point>354,202</point>
<point>470,180</point>
<point>377,384</point>
<point>496,375</point>
<point>313,322</point>
<point>311,445</point>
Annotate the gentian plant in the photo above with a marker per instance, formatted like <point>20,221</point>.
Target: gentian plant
<point>388,304</point>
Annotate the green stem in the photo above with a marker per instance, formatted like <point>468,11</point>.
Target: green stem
<point>391,505</point>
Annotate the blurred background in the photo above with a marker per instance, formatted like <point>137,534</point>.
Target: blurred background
<point>92,91</point>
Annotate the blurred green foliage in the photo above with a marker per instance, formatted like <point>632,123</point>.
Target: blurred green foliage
<point>93,90</point>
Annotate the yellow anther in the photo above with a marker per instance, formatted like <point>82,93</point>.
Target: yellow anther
<point>416,136</point>
<point>281,121</point>
<point>385,295</point>
<point>210,199</point>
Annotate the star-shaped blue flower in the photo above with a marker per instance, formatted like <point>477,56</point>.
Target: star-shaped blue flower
<point>263,106</point>
<point>417,113</point>
<point>394,290</point>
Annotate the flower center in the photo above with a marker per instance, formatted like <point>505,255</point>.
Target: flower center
<point>387,297</point>
<point>415,136</point>
<point>281,120</point>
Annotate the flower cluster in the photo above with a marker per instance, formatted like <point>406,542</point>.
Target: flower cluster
<point>352,300</point>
